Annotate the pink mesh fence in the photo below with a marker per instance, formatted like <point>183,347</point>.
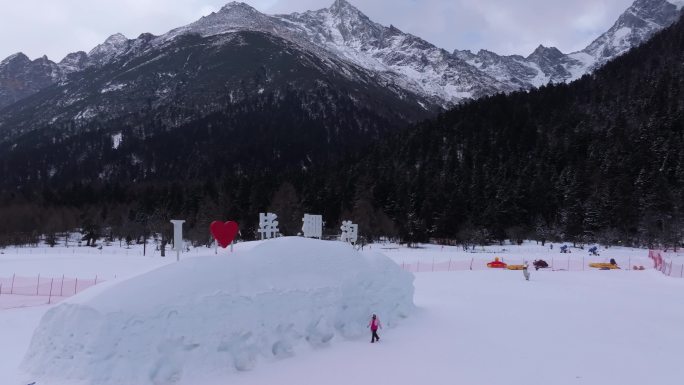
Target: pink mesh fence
<point>17,291</point>
<point>665,263</point>
<point>555,264</point>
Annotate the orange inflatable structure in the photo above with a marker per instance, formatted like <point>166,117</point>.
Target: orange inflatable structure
<point>516,267</point>
<point>496,264</point>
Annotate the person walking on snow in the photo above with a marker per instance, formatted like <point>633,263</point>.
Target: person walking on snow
<point>374,325</point>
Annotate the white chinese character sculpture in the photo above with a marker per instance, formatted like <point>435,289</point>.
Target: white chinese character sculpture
<point>313,226</point>
<point>350,232</point>
<point>268,226</point>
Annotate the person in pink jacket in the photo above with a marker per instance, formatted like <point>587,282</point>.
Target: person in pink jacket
<point>374,325</point>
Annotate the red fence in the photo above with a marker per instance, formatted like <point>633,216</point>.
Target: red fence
<point>16,290</point>
<point>555,264</point>
<point>665,264</point>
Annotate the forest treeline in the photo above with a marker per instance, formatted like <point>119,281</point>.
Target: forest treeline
<point>597,160</point>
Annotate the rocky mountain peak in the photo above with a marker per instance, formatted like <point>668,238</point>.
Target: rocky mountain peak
<point>146,36</point>
<point>104,53</point>
<point>648,11</point>
<point>21,77</point>
<point>43,60</point>
<point>237,7</point>
<point>115,42</point>
<point>16,59</point>
<point>116,39</point>
<point>636,25</point>
<point>231,17</point>
<point>345,12</point>
<point>74,62</point>
<point>343,7</point>
<point>348,24</point>
<point>484,53</point>
<point>546,52</point>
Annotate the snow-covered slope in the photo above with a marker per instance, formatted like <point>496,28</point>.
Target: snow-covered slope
<point>184,321</point>
<point>571,325</point>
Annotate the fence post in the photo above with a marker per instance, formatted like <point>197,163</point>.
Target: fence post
<point>582,263</point>
<point>630,263</point>
<point>418,267</point>
<point>433,264</point>
<point>471,263</point>
<point>76,287</point>
<point>681,275</point>
<point>61,288</point>
<point>38,284</point>
<point>95,280</point>
<point>568,263</point>
<point>50,296</point>
<point>449,269</point>
<point>551,263</point>
<point>12,287</point>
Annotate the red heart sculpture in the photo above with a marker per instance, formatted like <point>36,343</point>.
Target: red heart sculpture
<point>224,233</point>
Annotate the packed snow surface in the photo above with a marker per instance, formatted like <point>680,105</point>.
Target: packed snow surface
<point>495,328</point>
<point>619,327</point>
<point>209,316</point>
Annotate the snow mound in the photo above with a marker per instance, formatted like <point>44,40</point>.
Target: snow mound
<point>208,316</point>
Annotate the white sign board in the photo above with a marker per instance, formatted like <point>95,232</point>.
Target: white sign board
<point>177,236</point>
<point>268,225</point>
<point>350,232</point>
<point>313,226</point>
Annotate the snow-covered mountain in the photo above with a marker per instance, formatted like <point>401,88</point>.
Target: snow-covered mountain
<point>633,27</point>
<point>341,33</point>
<point>547,64</point>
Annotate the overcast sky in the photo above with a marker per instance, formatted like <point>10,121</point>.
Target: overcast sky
<point>57,27</point>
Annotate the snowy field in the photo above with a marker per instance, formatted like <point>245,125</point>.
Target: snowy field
<point>513,254</point>
<point>471,327</point>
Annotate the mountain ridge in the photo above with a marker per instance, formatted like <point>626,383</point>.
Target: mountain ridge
<point>343,32</point>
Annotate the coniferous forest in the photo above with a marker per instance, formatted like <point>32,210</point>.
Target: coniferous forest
<point>600,159</point>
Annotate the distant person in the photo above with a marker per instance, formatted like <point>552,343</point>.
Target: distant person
<point>612,262</point>
<point>594,250</point>
<point>374,325</point>
<point>526,272</point>
<point>551,246</point>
